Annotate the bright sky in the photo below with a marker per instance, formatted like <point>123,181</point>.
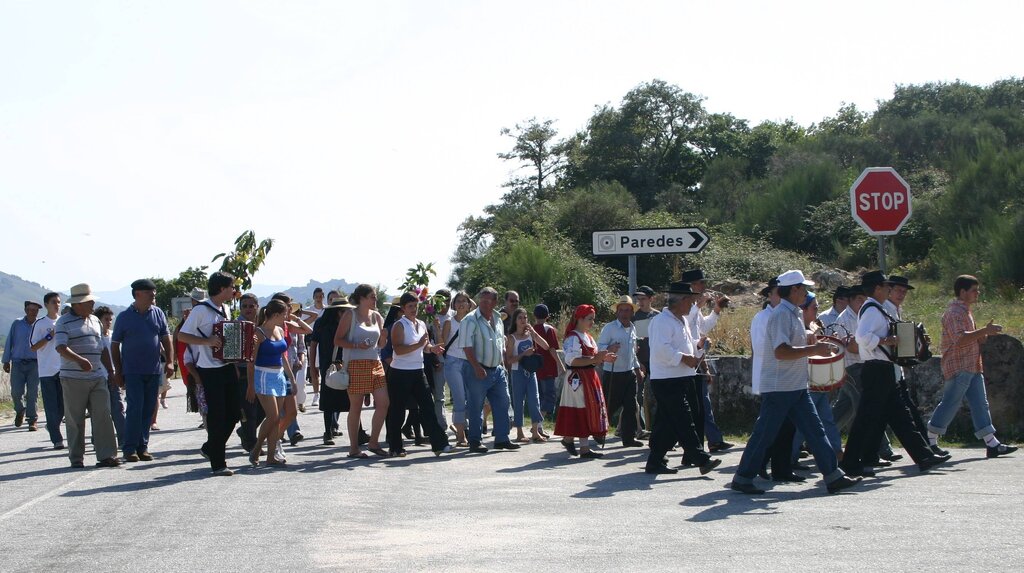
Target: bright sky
<point>139,138</point>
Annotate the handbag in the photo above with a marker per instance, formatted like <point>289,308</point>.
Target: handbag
<point>531,363</point>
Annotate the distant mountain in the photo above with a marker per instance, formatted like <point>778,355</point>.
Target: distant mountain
<point>304,294</point>
<point>14,291</point>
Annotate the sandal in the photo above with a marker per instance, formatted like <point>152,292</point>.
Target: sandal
<point>276,462</point>
<point>360,455</point>
<point>462,444</point>
<point>523,440</point>
<point>538,439</point>
<point>254,457</point>
<point>378,451</point>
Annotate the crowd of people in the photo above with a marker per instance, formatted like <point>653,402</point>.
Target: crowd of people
<point>647,369</point>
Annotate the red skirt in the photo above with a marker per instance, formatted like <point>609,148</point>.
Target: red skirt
<point>582,411</point>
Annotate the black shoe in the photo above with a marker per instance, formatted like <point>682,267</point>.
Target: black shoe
<point>477,448</point>
<point>58,446</point>
<point>859,472</point>
<point>591,455</point>
<point>791,478</point>
<point>337,433</point>
<point>407,432</point>
<point>570,447</point>
<point>659,469</point>
<point>298,437</point>
<point>719,447</point>
<point>364,438</point>
<point>506,446</point>
<point>202,452</point>
<point>747,488</point>
<point>1000,450</point>
<point>763,474</point>
<point>77,465</point>
<point>895,457</point>
<point>108,463</point>
<point>842,483</point>
<point>938,451</point>
<point>18,419</point>
<point>328,439</point>
<point>929,463</point>
<point>881,464</point>
<point>801,467</point>
<point>632,444</point>
<point>710,465</point>
<point>420,441</point>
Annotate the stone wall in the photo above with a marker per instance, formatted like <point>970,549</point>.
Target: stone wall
<point>736,408</point>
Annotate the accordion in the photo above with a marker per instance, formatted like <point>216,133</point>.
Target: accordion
<point>238,336</point>
<point>911,343</point>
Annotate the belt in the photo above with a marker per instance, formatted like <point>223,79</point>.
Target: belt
<point>26,360</point>
<point>488,367</point>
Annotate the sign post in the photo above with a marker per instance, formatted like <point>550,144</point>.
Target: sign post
<point>633,242</point>
<point>880,202</point>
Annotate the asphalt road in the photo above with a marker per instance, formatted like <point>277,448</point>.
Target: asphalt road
<point>531,510</point>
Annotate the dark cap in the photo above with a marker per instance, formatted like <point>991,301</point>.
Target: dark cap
<point>842,291</point>
<point>855,290</point>
<point>895,280</point>
<point>644,290</point>
<point>772,283</point>
<point>143,284</point>
<point>541,311</point>
<point>679,287</point>
<point>692,276</point>
<point>873,279</point>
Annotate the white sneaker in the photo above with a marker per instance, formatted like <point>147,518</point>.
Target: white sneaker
<point>316,399</point>
<point>223,472</point>
<point>279,453</point>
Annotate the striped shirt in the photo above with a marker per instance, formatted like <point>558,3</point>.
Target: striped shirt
<point>83,337</point>
<point>485,337</point>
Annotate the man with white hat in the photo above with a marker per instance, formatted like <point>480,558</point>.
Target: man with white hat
<point>621,376</point>
<point>784,394</point>
<point>83,377</point>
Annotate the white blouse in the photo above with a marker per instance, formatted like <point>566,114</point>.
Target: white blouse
<point>572,347</point>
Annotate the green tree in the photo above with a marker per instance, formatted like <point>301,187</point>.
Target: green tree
<point>538,152</point>
<point>247,258</point>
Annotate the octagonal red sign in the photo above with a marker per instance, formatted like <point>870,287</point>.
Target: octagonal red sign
<point>880,201</point>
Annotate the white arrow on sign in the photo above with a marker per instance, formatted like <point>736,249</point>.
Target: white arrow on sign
<point>649,241</point>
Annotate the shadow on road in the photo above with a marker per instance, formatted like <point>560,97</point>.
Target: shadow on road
<point>726,503</point>
<point>634,481</point>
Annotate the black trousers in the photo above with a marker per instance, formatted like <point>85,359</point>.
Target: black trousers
<point>620,392</point>
<point>675,422</point>
<point>409,387</point>
<point>880,404</point>
<point>252,414</point>
<point>780,455</point>
<point>915,412</point>
<point>222,395</point>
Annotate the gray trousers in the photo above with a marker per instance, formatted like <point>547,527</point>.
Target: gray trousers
<point>80,393</point>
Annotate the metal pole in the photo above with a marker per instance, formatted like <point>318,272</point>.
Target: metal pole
<point>881,253</point>
<point>632,274</point>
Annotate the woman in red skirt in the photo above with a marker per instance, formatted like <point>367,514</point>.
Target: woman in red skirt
<point>581,412</point>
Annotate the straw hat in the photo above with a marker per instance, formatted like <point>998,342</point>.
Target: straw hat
<point>624,299</point>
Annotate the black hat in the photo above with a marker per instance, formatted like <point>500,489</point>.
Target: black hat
<point>855,290</point>
<point>143,284</point>
<point>772,283</point>
<point>679,287</point>
<point>692,276</point>
<point>842,291</point>
<point>898,280</point>
<point>644,290</point>
<point>873,279</point>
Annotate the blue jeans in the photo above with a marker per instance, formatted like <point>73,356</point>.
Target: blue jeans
<point>53,406</point>
<point>493,388</point>
<point>117,412</point>
<point>546,387</point>
<point>25,387</point>
<point>711,431</point>
<point>453,368</point>
<point>524,389</point>
<point>970,385</point>
<point>824,409</point>
<point>140,392</point>
<point>798,407</point>
<point>439,395</point>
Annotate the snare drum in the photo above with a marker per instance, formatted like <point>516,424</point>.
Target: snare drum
<point>827,372</point>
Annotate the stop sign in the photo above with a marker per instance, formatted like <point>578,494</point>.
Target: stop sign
<point>880,201</point>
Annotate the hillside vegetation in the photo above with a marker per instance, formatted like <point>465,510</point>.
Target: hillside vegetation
<point>772,196</point>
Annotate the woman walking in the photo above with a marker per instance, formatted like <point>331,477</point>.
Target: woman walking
<point>582,412</point>
<point>524,360</point>
<point>269,385</point>
<point>361,335</point>
<point>455,357</point>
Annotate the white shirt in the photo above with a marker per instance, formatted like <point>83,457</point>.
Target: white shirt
<point>412,332</point>
<point>47,357</point>
<point>454,349</point>
<point>829,316</point>
<point>872,327</point>
<point>200,323</point>
<point>572,347</point>
<point>671,339</point>
<point>698,323</point>
<point>848,319</point>
<point>758,332</point>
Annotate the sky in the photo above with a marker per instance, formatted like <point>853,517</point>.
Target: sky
<point>140,138</point>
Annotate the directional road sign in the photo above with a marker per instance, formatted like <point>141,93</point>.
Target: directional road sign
<point>649,241</point>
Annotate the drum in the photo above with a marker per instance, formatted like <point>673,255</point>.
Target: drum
<point>238,338</point>
<point>827,372</point>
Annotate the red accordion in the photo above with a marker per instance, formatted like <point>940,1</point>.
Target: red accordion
<point>239,337</point>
